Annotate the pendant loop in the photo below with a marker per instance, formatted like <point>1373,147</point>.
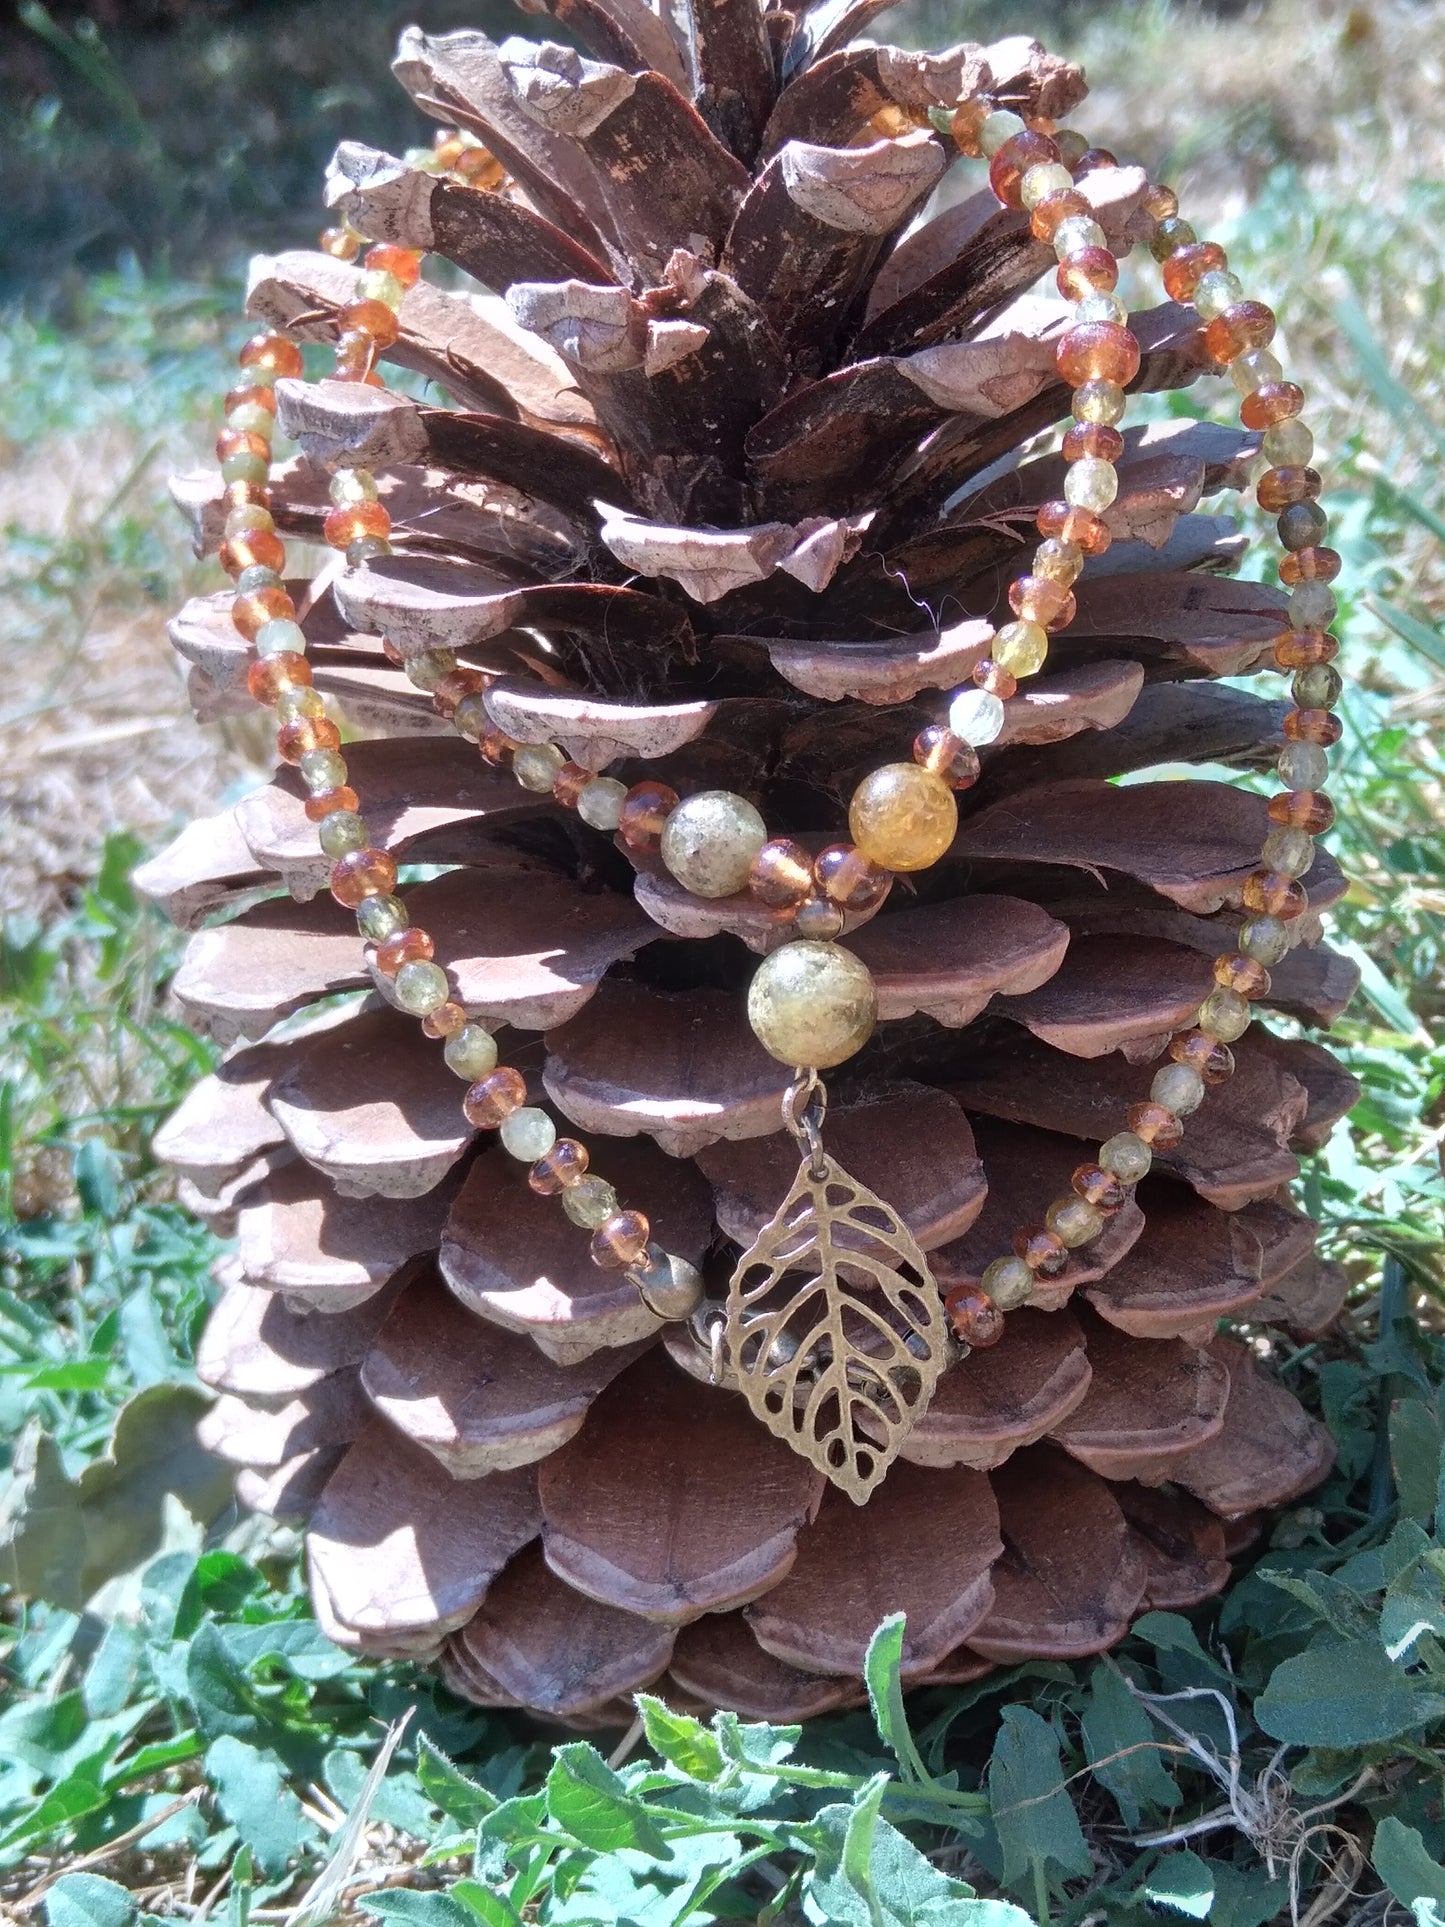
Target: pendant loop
<point>805,1105</point>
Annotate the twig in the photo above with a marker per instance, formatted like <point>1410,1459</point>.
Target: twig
<point>109,1850</point>
<point>627,1745</point>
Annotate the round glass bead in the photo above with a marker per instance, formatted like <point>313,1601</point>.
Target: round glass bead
<point>361,874</point>
<point>470,718</point>
<point>307,734</point>
<point>1313,726</point>
<point>619,1241</point>
<point>352,485</point>
<point>492,1099</point>
<point>590,1202</point>
<point>1156,1124</point>
<point>1212,1060</point>
<point>1097,351</point>
<point>471,1052</point>
<point>1275,895</point>
<point>1059,562</point>
<point>1309,565</point>
<point>250,613</point>
<point>1319,687</point>
<point>1036,598</point>
<point>903,817</point>
<point>245,468</point>
<point>252,549</point>
<point>458,686</point>
<point>445,1021</point>
<point>818,919</point>
<point>975,717</point>
<point>1289,851</point>
<point>342,831</point>
<point>1072,145</point>
<point>1070,524</point>
<point>300,705</point>
<point>1101,403</point>
<point>535,766</point>
<point>428,666</point>
<point>1008,1282</point>
<point>1299,648</point>
<point>404,263</point>
<point>1178,1088</point>
<point>377,285</point>
<point>848,878</point>
<point>1023,647</point>
<point>1183,268</point>
<point>1312,605</point>
<point>569,783</point>
<point>1239,327</point>
<point>974,1316</point>
<point>1043,179</point>
<point>1302,766</point>
<point>497,748</point>
<point>1100,1187</point>
<point>599,803</point>
<point>402,946</point>
<point>1254,369</point>
<point>353,520</point>
<point>1271,402</point>
<point>1100,307</point>
<point>274,353</point>
<point>269,678</point>
<point>528,1134</point>
<point>1087,271</point>
<point>282,637</point>
<point>1242,975</point>
<point>1049,216</point>
<point>1217,291</point>
<point>563,1165</point>
<point>371,318</point>
<point>255,577</point>
<point>813,1004</point>
<point>1224,1014</point>
<point>710,840</point>
<point>323,769</point>
<point>967,124</point>
<point>1304,525</point>
<point>379,916</point>
<point>994,680</point>
<point>1288,444</point>
<point>1074,1221</point>
<point>1265,938</point>
<point>1160,202</point>
<point>1127,1156</point>
<point>1043,1251</point>
<point>947,755</point>
<point>326,801</point>
<point>1309,810</point>
<point>1091,484</point>
<point>1278,488</point>
<point>421,987</point>
<point>996,128</point>
<point>1092,438</point>
<point>643,815</point>
<point>252,394</point>
<point>1170,234</point>
<point>781,875</point>
<point>1080,231</point>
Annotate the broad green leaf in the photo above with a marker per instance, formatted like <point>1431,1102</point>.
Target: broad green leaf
<point>395,1798</point>
<point>1340,1608</point>
<point>1123,1747</point>
<point>1182,1883</point>
<point>300,1643</point>
<point>890,1882</point>
<point>66,1803</point>
<point>682,1741</point>
<point>857,1859</point>
<point>424,1909</point>
<point>219,1691</point>
<point>882,1671</point>
<point>447,1787</point>
<point>252,1794</point>
<point>114,1671</point>
<point>1032,1813</point>
<point>1401,1861</point>
<point>492,1908</point>
<point>1415,1456</point>
<point>756,1745</point>
<point>1412,1608</point>
<point>587,1799</point>
<point>1245,1896</point>
<point>1343,1694</point>
<point>86,1900</point>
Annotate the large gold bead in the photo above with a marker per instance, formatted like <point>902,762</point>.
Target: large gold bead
<point>903,816</point>
<point>812,1004</point>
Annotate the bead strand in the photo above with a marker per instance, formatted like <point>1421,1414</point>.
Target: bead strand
<point>363,877</point>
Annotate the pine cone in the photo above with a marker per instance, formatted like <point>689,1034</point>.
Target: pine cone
<point>731,484</point>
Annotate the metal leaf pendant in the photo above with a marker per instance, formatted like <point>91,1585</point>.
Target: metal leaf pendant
<point>840,1361</point>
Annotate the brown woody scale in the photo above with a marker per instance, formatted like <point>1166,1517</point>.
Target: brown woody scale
<point>701,317</point>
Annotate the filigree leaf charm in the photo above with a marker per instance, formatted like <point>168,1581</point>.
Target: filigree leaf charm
<point>835,1328</point>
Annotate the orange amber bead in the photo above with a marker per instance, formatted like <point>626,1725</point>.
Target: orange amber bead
<point>492,1099</point>
<point>346,525</point>
<point>253,549</point>
<point>1160,203</point>
<point>361,874</point>
<point>1097,351</point>
<point>1157,1125</point>
<point>1082,527</point>
<point>850,879</point>
<point>1303,648</point>
<point>1093,157</point>
<point>326,802</point>
<point>1093,438</point>
<point>445,1021</point>
<point>341,243</point>
<point>404,263</point>
<point>497,748</point>
<point>1042,1250</point>
<point>250,613</point>
<point>456,685</point>
<point>975,1318</point>
<point>298,739</point>
<point>1049,216</point>
<point>1091,270</point>
<point>1243,975</point>
<point>1245,325</point>
<point>1184,267</point>
<point>569,783</point>
<point>1280,488</point>
<point>240,441</point>
<point>620,1241</point>
<point>403,946</point>
<point>250,395</point>
<point>1212,1060</point>
<point>1313,726</point>
<point>782,874</point>
<point>1037,598</point>
<point>967,123</point>
<point>1013,160</point>
<point>372,318</point>
<point>947,755</point>
<point>645,809</point>
<point>275,352</point>
<point>267,678</point>
<point>997,681</point>
<point>245,495</point>
<point>1309,565</point>
<point>1309,810</point>
<point>478,168</point>
<point>1268,893</point>
<point>562,1166</point>
<point>1098,1187</point>
<point>355,353</point>
<point>1271,402</point>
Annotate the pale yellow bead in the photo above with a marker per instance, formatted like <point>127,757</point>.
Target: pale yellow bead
<point>427,668</point>
<point>1224,1014</point>
<point>709,842</point>
<point>1038,183</point>
<point>812,1004</point>
<point>1022,648</point>
<point>350,485</point>
<point>600,802</point>
<point>1217,291</point>
<point>903,817</point>
<point>1253,370</point>
<point>535,766</point>
<point>471,1052</point>
<point>1288,444</point>
<point>1000,126</point>
<point>1009,1282</point>
<point>1091,483</point>
<point>1178,1088</point>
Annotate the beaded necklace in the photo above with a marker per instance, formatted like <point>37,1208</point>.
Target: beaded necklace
<point>811,1003</point>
